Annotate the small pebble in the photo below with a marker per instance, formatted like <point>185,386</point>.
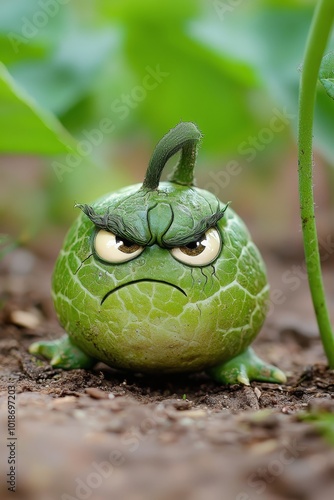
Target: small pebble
<point>26,319</point>
<point>257,392</point>
<point>96,393</point>
<point>191,414</point>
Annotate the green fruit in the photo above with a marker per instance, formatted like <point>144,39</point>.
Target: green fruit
<point>161,278</point>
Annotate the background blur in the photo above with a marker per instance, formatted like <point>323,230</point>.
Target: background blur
<point>88,88</point>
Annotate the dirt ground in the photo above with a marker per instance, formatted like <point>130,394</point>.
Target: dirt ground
<point>103,434</point>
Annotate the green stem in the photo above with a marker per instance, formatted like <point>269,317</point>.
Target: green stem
<point>184,136</point>
<point>315,47</point>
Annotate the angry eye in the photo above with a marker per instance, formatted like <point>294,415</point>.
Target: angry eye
<point>114,249</point>
<point>200,252</point>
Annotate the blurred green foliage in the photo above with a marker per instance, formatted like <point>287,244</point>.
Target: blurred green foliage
<point>25,128</point>
<point>117,74</point>
<point>323,422</point>
<point>326,74</point>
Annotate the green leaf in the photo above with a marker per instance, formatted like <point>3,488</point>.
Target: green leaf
<point>149,12</point>
<point>210,88</point>
<point>53,53</point>
<point>326,74</point>
<point>59,81</point>
<point>25,128</point>
<point>197,85</point>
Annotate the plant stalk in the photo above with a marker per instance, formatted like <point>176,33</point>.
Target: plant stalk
<point>185,137</point>
<point>315,47</point>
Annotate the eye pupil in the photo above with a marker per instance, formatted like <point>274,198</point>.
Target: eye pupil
<point>200,252</point>
<point>192,245</point>
<point>126,246</point>
<point>114,249</point>
<point>123,241</point>
<point>194,248</point>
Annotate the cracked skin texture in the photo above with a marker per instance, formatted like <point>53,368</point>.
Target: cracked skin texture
<point>210,315</point>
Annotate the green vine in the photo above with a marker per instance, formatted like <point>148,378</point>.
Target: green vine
<point>315,47</point>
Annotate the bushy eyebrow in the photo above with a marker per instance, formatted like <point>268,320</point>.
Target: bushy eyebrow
<point>113,223</point>
<point>201,227</point>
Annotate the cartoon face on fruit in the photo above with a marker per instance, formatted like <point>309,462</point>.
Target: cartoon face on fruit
<point>160,278</point>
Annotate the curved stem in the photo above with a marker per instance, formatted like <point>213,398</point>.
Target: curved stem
<point>315,47</point>
<point>184,136</point>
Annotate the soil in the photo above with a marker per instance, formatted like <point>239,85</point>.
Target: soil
<point>101,433</point>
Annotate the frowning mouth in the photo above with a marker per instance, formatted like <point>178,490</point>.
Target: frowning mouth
<point>141,281</point>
